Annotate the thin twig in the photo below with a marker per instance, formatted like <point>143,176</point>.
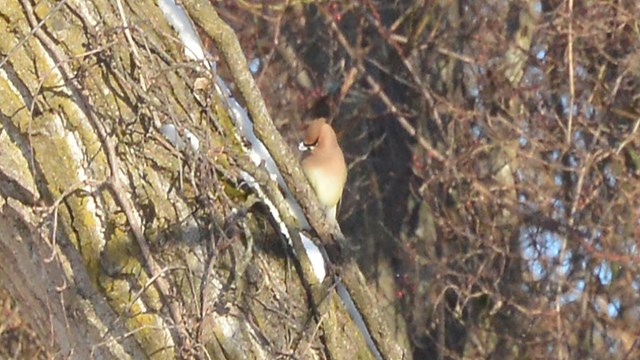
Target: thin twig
<point>379,91</point>
<point>114,183</point>
<point>572,89</point>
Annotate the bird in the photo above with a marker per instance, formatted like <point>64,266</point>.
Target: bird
<point>324,164</point>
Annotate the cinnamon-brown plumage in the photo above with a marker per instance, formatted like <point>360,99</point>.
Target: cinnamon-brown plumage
<point>324,164</point>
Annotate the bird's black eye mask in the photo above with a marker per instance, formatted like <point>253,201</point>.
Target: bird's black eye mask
<point>304,146</point>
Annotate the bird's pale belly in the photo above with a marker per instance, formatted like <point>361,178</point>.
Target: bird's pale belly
<point>328,188</point>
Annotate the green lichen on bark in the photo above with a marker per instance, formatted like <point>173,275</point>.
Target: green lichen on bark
<point>126,286</point>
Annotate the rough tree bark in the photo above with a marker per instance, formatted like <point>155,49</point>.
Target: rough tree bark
<point>119,244</point>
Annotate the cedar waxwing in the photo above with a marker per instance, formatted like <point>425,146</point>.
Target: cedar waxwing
<point>324,164</point>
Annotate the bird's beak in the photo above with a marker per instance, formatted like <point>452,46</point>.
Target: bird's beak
<point>303,147</point>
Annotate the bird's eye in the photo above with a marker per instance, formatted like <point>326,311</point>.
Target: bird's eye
<point>304,147</point>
